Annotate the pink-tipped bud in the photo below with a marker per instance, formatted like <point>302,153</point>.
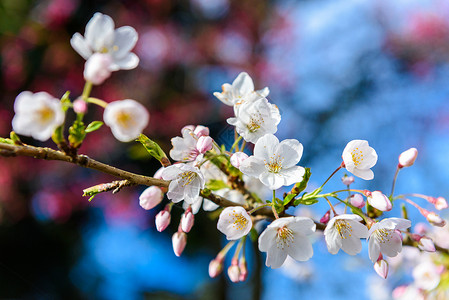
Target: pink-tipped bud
<point>407,158</point>
<point>326,217</point>
<point>201,130</point>
<point>234,271</point>
<point>426,244</point>
<point>98,68</point>
<point>179,240</point>
<point>378,200</point>
<point>80,106</point>
<point>163,220</point>
<point>421,228</point>
<point>357,200</point>
<point>440,203</point>
<point>204,144</point>
<point>433,218</point>
<point>215,267</point>
<point>347,180</point>
<point>243,270</point>
<point>187,220</point>
<point>381,268</point>
<point>151,197</point>
<point>399,291</point>
<point>237,159</point>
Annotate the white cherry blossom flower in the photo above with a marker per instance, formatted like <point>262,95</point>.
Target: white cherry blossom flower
<point>234,222</point>
<point>37,115</point>
<point>385,237</point>
<point>240,89</point>
<point>184,148</point>
<point>254,119</point>
<point>98,68</point>
<point>274,162</point>
<point>186,182</point>
<point>101,37</point>
<point>426,275</point>
<point>126,118</point>
<point>359,158</point>
<point>344,232</point>
<point>287,237</point>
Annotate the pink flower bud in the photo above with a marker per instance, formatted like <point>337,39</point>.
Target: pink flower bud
<point>80,106</point>
<point>237,158</point>
<point>440,203</point>
<point>381,268</point>
<point>357,200</point>
<point>407,158</point>
<point>204,144</point>
<point>421,228</point>
<point>434,219</point>
<point>324,219</point>
<point>162,220</point>
<point>234,271</point>
<point>187,220</point>
<point>379,201</point>
<point>98,68</point>
<point>243,270</point>
<point>426,244</point>
<point>347,180</point>
<point>201,131</point>
<point>399,291</point>
<point>179,240</point>
<point>151,197</point>
<point>215,268</point>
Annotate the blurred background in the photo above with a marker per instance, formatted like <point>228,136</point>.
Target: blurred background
<point>337,69</point>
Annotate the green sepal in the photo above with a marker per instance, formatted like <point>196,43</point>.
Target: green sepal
<point>77,133</point>
<point>65,101</point>
<point>95,125</point>
<point>288,198</point>
<point>215,185</point>
<point>308,198</point>
<point>153,148</point>
<point>15,138</point>
<point>6,141</point>
<point>57,135</point>
<point>301,186</point>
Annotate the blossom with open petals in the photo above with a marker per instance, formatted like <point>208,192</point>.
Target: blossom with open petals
<point>37,115</point>
<point>385,237</point>
<point>254,119</point>
<point>126,118</point>
<point>287,237</point>
<point>234,222</point>
<point>240,89</point>
<point>186,182</point>
<point>344,232</point>
<point>101,37</point>
<point>274,162</point>
<point>359,158</point>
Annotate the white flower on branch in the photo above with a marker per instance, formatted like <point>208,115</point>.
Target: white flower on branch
<point>274,162</point>
<point>98,68</point>
<point>126,118</point>
<point>240,89</point>
<point>234,222</point>
<point>254,119</point>
<point>186,182</point>
<point>359,158</point>
<point>37,115</point>
<point>385,237</point>
<point>344,232</point>
<point>101,37</point>
<point>287,237</point>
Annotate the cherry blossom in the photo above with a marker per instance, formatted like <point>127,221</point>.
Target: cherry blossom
<point>359,158</point>
<point>37,115</point>
<point>234,222</point>
<point>186,182</point>
<point>344,232</point>
<point>151,197</point>
<point>407,158</point>
<point>287,237</point>
<point>274,162</point>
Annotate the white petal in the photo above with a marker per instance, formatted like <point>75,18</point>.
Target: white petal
<point>333,240</point>
<point>400,223</point>
<point>128,62</point>
<point>374,249</point>
<point>351,245</point>
<point>359,230</point>
<point>243,84</point>
<point>209,205</point>
<point>252,166</point>
<point>175,191</point>
<point>125,39</point>
<point>263,92</point>
<point>291,151</point>
<point>272,180</point>
<point>80,45</point>
<point>303,225</point>
<point>275,256</point>
<point>366,174</point>
<point>265,146</point>
<point>170,172</point>
<point>266,239</point>
<point>100,32</point>
<point>393,246</point>
<point>292,175</point>
<point>301,249</point>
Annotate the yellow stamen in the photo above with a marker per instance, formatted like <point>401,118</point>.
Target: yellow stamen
<point>186,178</point>
<point>46,114</point>
<point>343,228</point>
<point>357,156</point>
<point>238,220</point>
<point>284,237</point>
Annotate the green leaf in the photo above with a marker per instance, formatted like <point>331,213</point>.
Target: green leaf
<point>65,101</point>
<point>215,185</point>
<point>95,125</point>
<point>288,198</point>
<point>301,186</point>
<point>153,149</point>
<point>306,201</point>
<point>15,138</point>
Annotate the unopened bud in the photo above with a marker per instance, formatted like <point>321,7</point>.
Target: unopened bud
<point>201,130</point>
<point>378,200</point>
<point>187,220</point>
<point>440,203</point>
<point>407,158</point>
<point>98,68</point>
<point>151,197</point>
<point>234,271</point>
<point>347,180</point>
<point>80,106</point>
<point>204,144</point>
<point>434,219</point>
<point>326,217</point>
<point>243,270</point>
<point>421,228</point>
<point>426,244</point>
<point>215,268</point>
<point>381,268</point>
<point>179,240</point>
<point>357,200</point>
<point>163,220</point>
<point>237,159</point>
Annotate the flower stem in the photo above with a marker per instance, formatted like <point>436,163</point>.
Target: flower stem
<point>273,205</point>
<point>86,91</point>
<point>235,145</point>
<point>356,210</point>
<point>97,101</point>
<point>330,204</point>
<point>331,176</point>
<point>259,207</point>
<point>394,182</point>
